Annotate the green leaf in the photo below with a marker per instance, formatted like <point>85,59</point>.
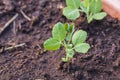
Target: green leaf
<point>65,59</point>
<point>68,37</point>
<point>86,3</point>
<point>95,6</point>
<point>71,29</point>
<point>69,46</point>
<point>51,44</point>
<point>73,3</point>
<point>82,48</point>
<point>90,19</point>
<point>71,13</point>
<point>79,37</point>
<point>66,25</point>
<point>99,16</point>
<point>70,53</point>
<point>83,8</point>
<point>59,32</point>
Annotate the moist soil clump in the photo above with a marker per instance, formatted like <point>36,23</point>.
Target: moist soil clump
<point>31,62</point>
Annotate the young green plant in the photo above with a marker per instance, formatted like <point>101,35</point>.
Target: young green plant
<point>92,9</point>
<point>64,35</point>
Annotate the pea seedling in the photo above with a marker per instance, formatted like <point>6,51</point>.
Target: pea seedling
<point>64,35</point>
<point>92,9</point>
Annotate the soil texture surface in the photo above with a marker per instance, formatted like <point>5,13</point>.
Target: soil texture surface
<point>33,24</point>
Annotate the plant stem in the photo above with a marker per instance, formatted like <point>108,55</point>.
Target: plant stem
<point>66,55</point>
<point>80,10</point>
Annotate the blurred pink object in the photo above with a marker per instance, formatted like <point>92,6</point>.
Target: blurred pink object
<point>112,7</point>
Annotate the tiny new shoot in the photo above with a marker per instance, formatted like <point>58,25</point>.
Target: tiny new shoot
<point>64,35</point>
<point>92,9</point>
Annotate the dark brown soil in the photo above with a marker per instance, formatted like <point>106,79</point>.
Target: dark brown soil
<point>31,62</point>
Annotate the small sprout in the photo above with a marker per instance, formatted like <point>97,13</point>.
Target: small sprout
<point>92,9</point>
<point>64,35</point>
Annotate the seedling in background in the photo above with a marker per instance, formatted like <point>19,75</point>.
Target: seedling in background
<point>64,35</point>
<point>92,9</point>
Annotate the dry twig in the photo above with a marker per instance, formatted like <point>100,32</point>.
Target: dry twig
<point>8,23</point>
<point>11,48</point>
<point>25,16</point>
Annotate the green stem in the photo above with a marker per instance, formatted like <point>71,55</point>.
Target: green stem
<point>67,58</point>
<point>81,10</point>
<point>70,39</point>
<point>64,44</point>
